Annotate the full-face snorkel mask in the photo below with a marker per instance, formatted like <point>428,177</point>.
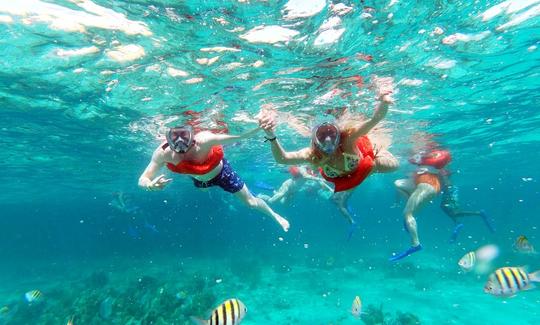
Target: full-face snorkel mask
<point>180,139</point>
<point>326,137</point>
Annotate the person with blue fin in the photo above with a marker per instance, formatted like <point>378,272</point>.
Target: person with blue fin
<point>428,180</point>
<point>451,206</point>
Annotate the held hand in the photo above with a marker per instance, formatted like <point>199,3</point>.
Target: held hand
<point>267,122</point>
<point>158,183</point>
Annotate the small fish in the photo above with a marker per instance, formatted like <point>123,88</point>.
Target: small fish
<point>507,281</point>
<point>480,259</point>
<point>231,312</point>
<point>522,245</point>
<point>356,307</point>
<point>468,261</point>
<point>70,321</point>
<point>33,296</point>
<point>4,311</point>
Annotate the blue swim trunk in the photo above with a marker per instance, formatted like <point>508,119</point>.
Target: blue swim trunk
<point>227,179</point>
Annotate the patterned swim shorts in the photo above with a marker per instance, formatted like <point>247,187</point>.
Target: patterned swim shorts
<point>227,179</point>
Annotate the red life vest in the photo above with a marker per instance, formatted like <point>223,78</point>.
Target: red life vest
<point>189,167</point>
<point>357,176</point>
<point>434,158</point>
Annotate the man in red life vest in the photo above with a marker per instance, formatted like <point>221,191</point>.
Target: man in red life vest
<point>200,155</point>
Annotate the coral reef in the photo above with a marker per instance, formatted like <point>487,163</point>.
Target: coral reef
<point>97,300</point>
<point>406,319</point>
<point>373,315</point>
<point>376,316</point>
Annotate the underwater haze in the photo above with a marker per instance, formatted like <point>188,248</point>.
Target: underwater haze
<point>89,88</point>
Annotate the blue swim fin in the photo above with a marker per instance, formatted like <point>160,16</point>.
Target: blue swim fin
<point>352,229</point>
<point>455,233</point>
<point>487,220</point>
<point>409,251</point>
<point>354,225</point>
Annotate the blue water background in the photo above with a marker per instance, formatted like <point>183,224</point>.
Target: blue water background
<point>68,144</point>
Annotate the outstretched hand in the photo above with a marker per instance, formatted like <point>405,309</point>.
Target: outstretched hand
<point>158,183</point>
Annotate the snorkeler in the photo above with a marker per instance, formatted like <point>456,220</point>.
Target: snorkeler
<point>300,176</point>
<point>303,179</point>
<point>200,155</point>
<point>451,207</point>
<point>420,189</point>
<point>344,156</point>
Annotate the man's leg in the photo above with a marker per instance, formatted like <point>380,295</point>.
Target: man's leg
<point>260,205</point>
<point>481,214</point>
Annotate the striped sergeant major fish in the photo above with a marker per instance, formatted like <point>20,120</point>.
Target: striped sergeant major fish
<point>230,312</point>
<point>507,281</point>
<point>33,296</point>
<point>479,260</point>
<point>468,261</point>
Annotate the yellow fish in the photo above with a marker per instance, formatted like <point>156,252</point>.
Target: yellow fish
<point>70,321</point>
<point>522,245</point>
<point>357,307</point>
<point>33,296</point>
<point>230,312</point>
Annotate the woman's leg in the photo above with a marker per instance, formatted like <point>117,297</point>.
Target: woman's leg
<point>258,204</point>
<point>280,193</point>
<point>421,195</point>
<point>341,199</point>
<point>405,186</point>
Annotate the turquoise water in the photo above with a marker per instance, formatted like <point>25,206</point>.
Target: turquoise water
<point>80,120</point>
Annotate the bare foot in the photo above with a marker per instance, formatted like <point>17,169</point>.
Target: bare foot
<point>282,222</point>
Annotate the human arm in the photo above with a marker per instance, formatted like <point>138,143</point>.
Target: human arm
<point>384,102</point>
<point>383,88</point>
<point>268,123</point>
<point>210,139</point>
<point>148,179</point>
